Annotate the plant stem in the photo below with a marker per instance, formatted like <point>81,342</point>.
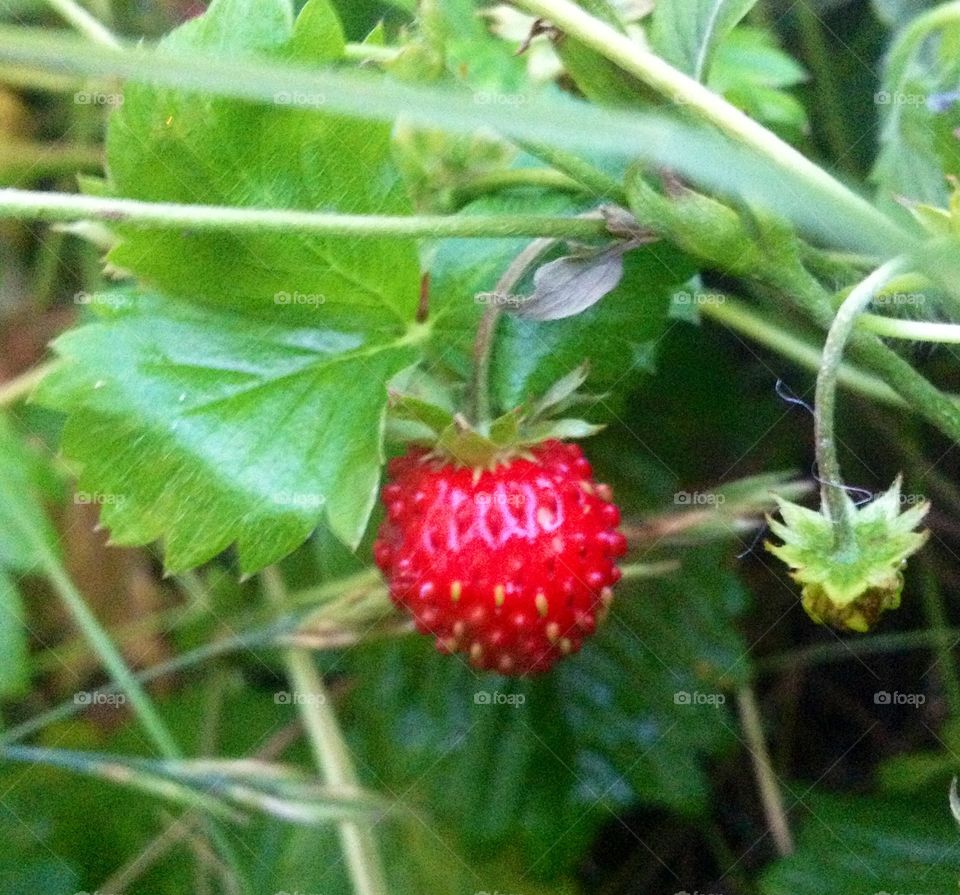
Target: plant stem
<point>914,330</point>
<point>85,23</point>
<point>829,104</point>
<point>360,52</point>
<point>770,794</point>
<point>487,329</point>
<point>99,639</point>
<point>22,162</point>
<point>330,752</point>
<point>703,102</point>
<point>510,178</point>
<point>943,640</point>
<point>19,389</point>
<point>796,285</point>
<point>741,318</point>
<point>845,650</point>
<point>601,184</point>
<point>835,501</point>
<point>40,206</point>
<point>113,661</point>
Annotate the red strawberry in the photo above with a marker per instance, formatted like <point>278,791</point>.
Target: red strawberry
<point>512,566</point>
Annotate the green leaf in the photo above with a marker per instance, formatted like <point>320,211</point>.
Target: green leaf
<point>597,78</point>
<point>753,73</point>
<point>211,429</point>
<point>919,116</point>
<point>170,145</point>
<point>859,843</point>
<point>541,764</point>
<point>686,32</point>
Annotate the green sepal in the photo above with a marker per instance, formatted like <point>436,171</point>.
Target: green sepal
<point>489,443</point>
<point>849,590</point>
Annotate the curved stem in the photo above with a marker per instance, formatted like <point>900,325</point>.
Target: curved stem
<point>741,318</point>
<point>598,182</point>
<point>60,207</point>
<point>85,23</point>
<point>835,501</point>
<point>472,187</point>
<point>482,354</point>
<point>487,329</point>
<point>703,102</point>
<point>330,750</point>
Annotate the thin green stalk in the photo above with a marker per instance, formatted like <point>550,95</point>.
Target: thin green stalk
<point>702,102</point>
<point>487,328</point>
<point>19,389</point>
<point>598,182</point>
<point>511,178</point>
<point>835,500</point>
<point>829,103</point>
<point>913,330</point>
<point>91,628</point>
<point>779,178</point>
<point>62,207</point>
<point>770,795</point>
<point>23,163</point>
<point>360,52</point>
<point>112,660</point>
<point>943,640</point>
<point>264,636</point>
<point>803,290</point>
<point>85,23</point>
<point>330,750</point>
<point>846,650</point>
<point>742,319</point>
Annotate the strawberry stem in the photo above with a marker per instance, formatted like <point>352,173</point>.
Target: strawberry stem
<point>480,411</point>
<point>836,504</point>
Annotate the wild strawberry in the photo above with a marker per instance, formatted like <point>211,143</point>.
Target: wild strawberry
<point>511,564</point>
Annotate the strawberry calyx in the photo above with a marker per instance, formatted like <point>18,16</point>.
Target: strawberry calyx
<point>483,444</point>
<point>850,589</point>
